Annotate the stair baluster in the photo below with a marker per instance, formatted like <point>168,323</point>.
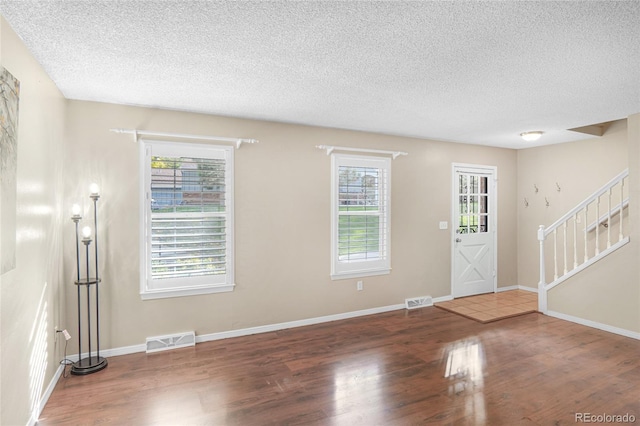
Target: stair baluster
<point>589,240</point>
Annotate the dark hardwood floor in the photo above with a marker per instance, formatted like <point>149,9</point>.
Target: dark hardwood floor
<point>425,366</point>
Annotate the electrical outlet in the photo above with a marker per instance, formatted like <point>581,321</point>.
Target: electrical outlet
<point>444,225</point>
<point>359,285</point>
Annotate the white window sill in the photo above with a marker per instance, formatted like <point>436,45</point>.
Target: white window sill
<point>167,293</point>
<point>358,274</point>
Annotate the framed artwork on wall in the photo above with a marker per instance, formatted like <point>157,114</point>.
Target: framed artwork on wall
<point>9,99</point>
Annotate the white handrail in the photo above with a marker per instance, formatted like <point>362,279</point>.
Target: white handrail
<point>592,251</point>
<point>586,201</point>
<point>603,220</point>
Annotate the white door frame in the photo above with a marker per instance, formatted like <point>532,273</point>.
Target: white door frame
<point>493,205</point>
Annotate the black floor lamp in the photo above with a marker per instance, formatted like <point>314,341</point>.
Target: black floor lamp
<point>92,363</point>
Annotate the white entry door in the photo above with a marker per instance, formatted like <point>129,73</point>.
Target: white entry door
<point>474,230</point>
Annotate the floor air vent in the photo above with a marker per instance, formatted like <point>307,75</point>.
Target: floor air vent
<point>418,302</point>
<point>173,341</point>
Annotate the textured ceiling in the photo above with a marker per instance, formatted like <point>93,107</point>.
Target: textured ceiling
<point>474,72</point>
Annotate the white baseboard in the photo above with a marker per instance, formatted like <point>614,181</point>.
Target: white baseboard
<point>47,394</point>
<point>125,350</point>
<point>594,324</point>
<point>292,324</point>
<point>516,287</point>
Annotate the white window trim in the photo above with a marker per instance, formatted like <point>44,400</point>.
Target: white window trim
<point>203,286</point>
<point>366,268</point>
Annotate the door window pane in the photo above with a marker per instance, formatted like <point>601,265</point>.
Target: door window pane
<point>463,205</point>
<point>473,184</point>
<point>473,204</point>
<point>483,185</point>
<point>462,187</point>
<point>484,223</point>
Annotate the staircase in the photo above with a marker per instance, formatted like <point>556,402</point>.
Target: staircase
<point>593,229</point>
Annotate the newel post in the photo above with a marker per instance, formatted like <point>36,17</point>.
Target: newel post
<point>542,292</point>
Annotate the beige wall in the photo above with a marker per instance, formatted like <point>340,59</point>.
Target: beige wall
<point>32,293</point>
<point>608,292</point>
<point>282,222</point>
<point>579,168</point>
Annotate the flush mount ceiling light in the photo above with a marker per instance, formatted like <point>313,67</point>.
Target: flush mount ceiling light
<point>531,136</point>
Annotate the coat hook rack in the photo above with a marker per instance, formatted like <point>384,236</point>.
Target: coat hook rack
<point>558,187</point>
<point>535,187</point>
<point>526,202</point>
<point>546,201</point>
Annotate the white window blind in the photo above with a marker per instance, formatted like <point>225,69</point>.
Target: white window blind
<point>188,217</point>
<point>360,219</point>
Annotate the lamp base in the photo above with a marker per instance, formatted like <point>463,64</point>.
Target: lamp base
<point>88,365</point>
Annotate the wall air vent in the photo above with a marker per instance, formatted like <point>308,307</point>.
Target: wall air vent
<point>173,341</point>
<point>418,302</point>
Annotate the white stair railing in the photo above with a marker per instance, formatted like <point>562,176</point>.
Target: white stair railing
<point>585,234</point>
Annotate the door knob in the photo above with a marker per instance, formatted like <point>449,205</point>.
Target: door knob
<point>458,240</point>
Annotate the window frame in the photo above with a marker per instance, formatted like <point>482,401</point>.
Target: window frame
<point>363,268</point>
<point>188,286</point>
